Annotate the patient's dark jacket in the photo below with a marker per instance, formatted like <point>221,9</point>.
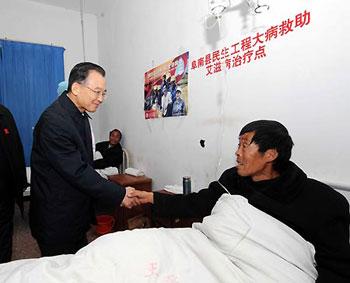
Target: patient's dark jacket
<point>313,209</point>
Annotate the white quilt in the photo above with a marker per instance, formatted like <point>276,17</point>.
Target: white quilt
<point>236,243</point>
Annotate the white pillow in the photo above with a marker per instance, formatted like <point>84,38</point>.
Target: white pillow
<point>258,243</point>
<point>225,226</point>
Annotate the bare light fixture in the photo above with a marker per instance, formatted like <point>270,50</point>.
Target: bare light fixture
<point>217,7</point>
<point>256,7</point>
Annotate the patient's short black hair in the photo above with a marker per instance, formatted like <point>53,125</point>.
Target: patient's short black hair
<point>269,134</point>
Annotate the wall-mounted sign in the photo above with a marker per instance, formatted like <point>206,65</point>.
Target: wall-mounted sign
<point>248,49</point>
<point>166,89</point>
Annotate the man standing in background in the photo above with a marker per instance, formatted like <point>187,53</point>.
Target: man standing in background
<point>179,108</point>
<point>13,179</point>
<point>65,187</point>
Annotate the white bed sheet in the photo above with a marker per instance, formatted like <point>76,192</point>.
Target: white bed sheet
<point>236,243</point>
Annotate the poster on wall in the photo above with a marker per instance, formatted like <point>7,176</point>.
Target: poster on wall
<point>166,89</point>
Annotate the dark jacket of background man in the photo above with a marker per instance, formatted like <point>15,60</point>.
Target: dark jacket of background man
<point>13,179</point>
<point>112,155</point>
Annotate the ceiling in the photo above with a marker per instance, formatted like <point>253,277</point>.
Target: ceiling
<point>96,7</point>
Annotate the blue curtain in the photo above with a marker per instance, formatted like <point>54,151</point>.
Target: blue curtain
<point>29,75</point>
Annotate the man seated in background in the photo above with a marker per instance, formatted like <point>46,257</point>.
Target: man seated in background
<point>266,177</point>
<point>111,151</point>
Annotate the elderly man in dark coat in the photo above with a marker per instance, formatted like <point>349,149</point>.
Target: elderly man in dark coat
<point>65,187</point>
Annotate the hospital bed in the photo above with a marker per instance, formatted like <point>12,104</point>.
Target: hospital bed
<point>236,243</point>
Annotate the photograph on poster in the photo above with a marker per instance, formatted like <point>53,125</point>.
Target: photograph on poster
<point>166,89</point>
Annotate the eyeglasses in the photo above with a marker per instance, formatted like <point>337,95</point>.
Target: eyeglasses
<point>96,92</point>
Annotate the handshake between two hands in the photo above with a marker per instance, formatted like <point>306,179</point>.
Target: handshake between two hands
<point>135,197</point>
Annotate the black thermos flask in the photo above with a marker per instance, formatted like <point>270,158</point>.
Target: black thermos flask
<point>186,185</point>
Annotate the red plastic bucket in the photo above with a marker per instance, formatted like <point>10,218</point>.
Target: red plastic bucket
<point>105,224</point>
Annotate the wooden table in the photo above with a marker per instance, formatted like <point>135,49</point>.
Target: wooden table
<point>138,216</point>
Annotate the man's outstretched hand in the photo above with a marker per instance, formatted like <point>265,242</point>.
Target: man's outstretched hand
<point>135,197</point>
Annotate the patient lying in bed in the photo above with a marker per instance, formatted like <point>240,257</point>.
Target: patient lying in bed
<point>236,243</point>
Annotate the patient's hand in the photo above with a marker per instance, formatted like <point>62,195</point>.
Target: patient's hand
<point>143,196</point>
<point>129,200</point>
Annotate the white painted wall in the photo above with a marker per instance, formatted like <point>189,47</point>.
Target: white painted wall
<point>302,82</point>
<point>28,21</point>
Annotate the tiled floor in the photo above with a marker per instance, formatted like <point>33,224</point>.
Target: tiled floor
<point>24,245</point>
